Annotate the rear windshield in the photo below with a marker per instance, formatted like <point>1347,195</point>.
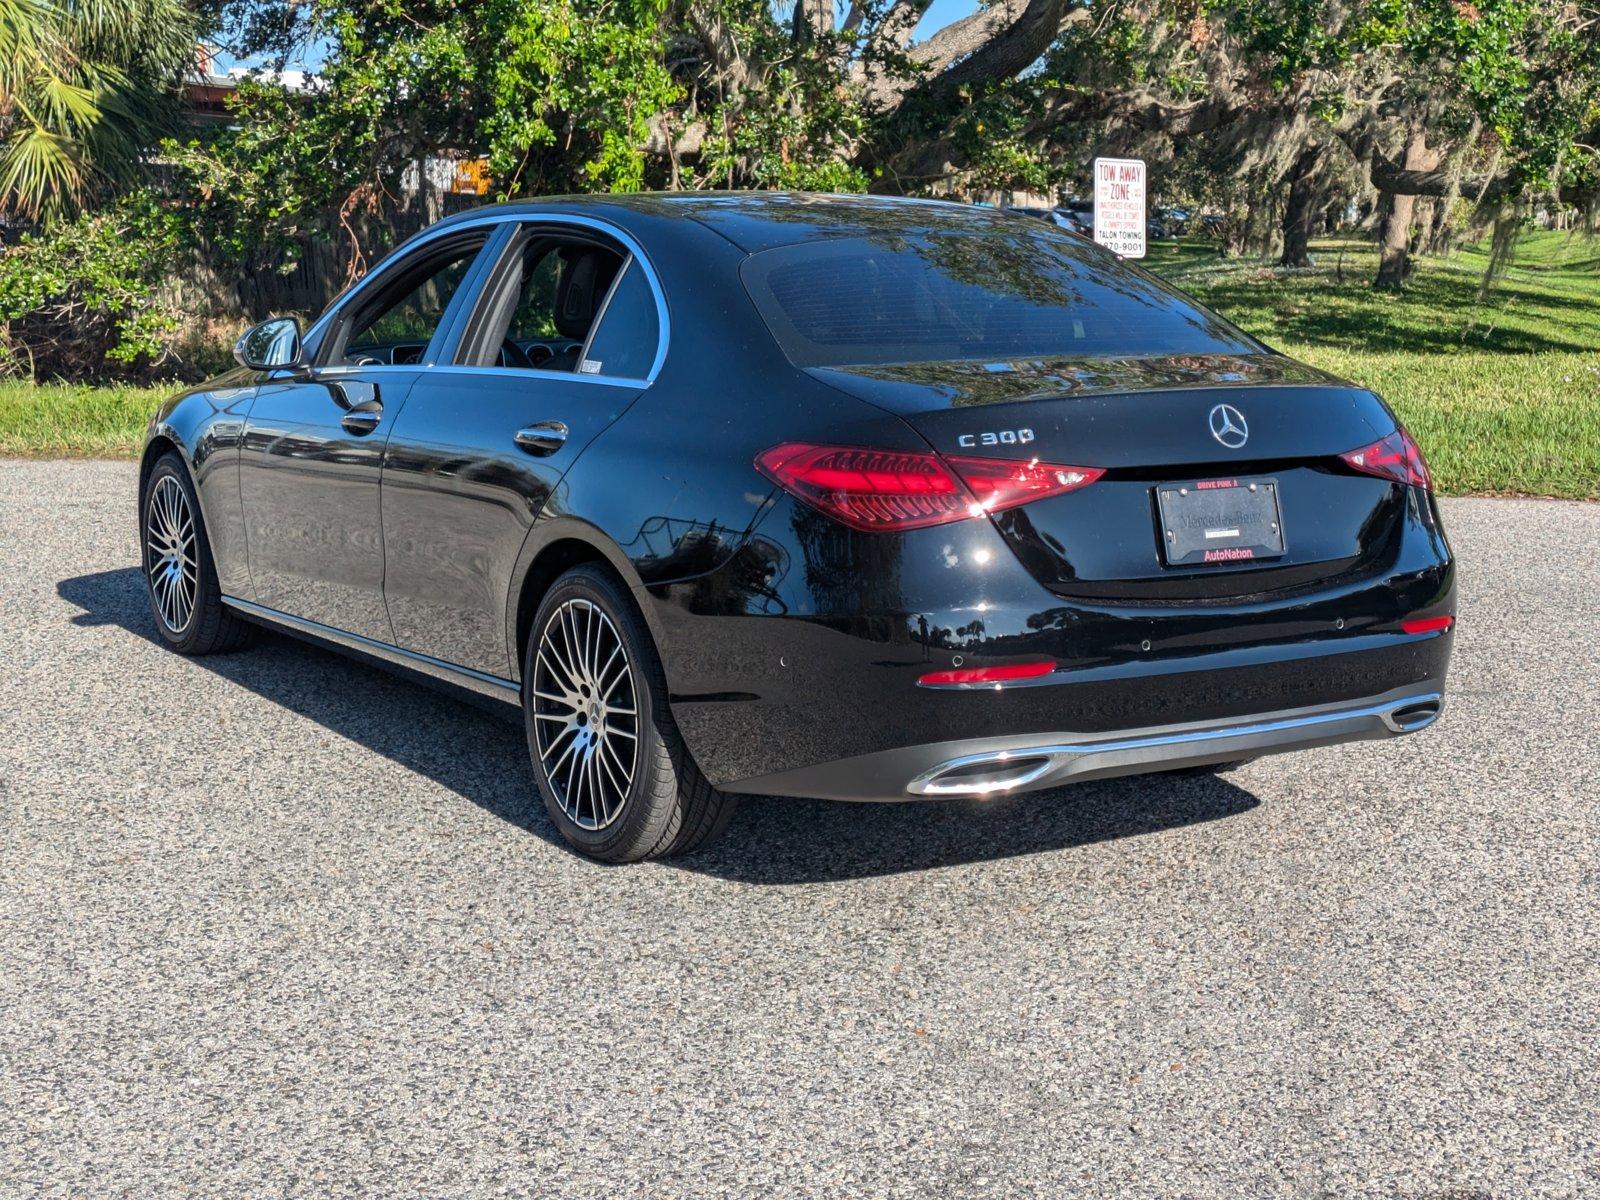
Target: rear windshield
<point>996,293</point>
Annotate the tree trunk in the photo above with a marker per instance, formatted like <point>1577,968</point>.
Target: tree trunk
<point>1394,242</point>
<point>1394,232</point>
<point>1300,212</point>
<point>1439,231</point>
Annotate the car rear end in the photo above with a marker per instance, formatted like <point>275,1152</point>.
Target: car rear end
<point>1102,532</point>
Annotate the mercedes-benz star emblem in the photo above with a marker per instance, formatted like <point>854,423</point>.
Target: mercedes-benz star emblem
<point>1229,427</point>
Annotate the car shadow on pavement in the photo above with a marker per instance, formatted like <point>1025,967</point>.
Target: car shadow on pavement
<point>476,749</point>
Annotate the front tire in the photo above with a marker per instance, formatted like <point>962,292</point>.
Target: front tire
<point>179,573</point>
<point>611,767</point>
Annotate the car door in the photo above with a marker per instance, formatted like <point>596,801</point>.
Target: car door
<point>568,331</point>
<point>312,452</point>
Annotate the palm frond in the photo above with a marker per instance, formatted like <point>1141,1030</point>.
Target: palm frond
<point>86,89</point>
<point>40,171</point>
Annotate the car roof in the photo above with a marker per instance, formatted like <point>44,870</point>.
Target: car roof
<point>756,221</point>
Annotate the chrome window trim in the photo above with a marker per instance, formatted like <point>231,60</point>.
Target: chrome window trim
<point>536,373</point>
<point>337,369</point>
<point>635,252</point>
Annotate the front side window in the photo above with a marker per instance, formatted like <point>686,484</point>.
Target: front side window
<point>1000,293</point>
<point>397,323</point>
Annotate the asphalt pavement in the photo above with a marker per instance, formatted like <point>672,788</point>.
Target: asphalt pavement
<point>281,924</point>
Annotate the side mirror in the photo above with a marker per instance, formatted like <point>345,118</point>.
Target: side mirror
<point>270,345</point>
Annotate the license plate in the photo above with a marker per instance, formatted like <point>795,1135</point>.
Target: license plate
<point>1214,521</point>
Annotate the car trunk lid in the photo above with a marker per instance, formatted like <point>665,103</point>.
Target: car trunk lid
<point>1262,429</point>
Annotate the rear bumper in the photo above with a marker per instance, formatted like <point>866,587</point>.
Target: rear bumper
<point>796,670</point>
<point>864,730</point>
<point>987,767</point>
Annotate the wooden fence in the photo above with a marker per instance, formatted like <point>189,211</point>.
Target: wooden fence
<point>312,272</point>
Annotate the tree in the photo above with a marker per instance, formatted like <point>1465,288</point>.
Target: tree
<point>580,95</point>
<point>85,90</point>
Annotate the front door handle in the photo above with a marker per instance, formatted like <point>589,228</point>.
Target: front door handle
<point>363,418</point>
<point>542,437</point>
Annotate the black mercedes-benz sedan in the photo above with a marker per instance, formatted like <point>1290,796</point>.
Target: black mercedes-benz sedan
<point>808,495</point>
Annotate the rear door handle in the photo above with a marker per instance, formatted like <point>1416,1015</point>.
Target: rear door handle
<point>542,437</point>
<point>363,418</point>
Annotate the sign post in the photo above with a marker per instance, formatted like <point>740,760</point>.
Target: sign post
<point>1119,205</point>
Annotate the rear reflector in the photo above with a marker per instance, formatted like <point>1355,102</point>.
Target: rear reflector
<point>988,674</point>
<point>1427,624</point>
<point>1396,457</point>
<point>875,490</point>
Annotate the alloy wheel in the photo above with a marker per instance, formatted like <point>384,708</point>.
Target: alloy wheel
<point>585,713</point>
<point>170,554</point>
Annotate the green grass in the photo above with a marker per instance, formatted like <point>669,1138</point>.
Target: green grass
<point>1503,393</point>
<point>70,421</point>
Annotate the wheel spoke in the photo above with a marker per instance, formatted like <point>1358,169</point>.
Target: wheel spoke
<point>606,795</point>
<point>571,749</point>
<point>547,665</point>
<point>570,727</point>
<point>607,756</point>
<point>575,782</point>
<point>601,674</point>
<point>567,638</point>
<point>605,689</point>
<point>600,804</point>
<point>549,652</point>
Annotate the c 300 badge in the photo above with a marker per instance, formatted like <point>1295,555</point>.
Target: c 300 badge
<point>998,437</point>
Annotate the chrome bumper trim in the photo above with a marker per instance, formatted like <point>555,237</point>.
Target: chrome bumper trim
<point>1027,767</point>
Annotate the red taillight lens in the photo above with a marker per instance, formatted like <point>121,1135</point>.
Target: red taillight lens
<point>988,674</point>
<point>1427,624</point>
<point>868,489</point>
<point>891,489</point>
<point>1396,457</point>
<point>1000,484</point>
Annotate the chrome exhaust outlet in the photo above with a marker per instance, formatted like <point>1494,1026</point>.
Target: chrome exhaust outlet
<point>1414,715</point>
<point>984,774</point>
<point>1018,768</point>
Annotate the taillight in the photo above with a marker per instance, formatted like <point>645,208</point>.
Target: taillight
<point>999,484</point>
<point>1396,457</point>
<point>874,490</point>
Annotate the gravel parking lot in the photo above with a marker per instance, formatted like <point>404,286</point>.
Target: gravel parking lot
<point>278,923</point>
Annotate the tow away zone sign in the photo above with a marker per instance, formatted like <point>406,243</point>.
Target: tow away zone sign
<point>1119,205</point>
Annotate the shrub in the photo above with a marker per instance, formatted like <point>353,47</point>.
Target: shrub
<point>84,299</point>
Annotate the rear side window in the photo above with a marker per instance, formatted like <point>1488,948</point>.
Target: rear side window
<point>624,344</point>
<point>1000,293</point>
<point>566,303</point>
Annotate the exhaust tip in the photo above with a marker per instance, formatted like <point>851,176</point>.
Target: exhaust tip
<point>982,775</point>
<point>1408,718</point>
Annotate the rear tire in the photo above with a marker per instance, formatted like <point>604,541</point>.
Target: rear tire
<point>180,575</point>
<point>611,766</point>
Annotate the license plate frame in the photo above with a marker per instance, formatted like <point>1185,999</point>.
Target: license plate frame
<point>1218,522</point>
